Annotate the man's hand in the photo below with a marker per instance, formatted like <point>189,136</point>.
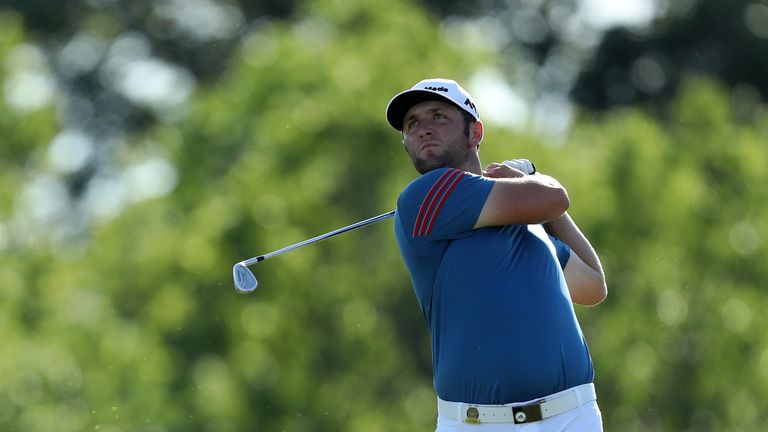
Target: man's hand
<point>510,169</point>
<point>523,165</point>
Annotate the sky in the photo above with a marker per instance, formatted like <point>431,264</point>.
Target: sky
<point>603,14</point>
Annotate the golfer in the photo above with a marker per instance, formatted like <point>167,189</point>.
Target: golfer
<point>496,264</point>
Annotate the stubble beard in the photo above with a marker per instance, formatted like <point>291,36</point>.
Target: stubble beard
<point>455,154</point>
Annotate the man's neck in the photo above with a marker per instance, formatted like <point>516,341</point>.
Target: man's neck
<point>472,165</point>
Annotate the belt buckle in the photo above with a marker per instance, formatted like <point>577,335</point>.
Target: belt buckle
<point>473,415</point>
<point>527,413</point>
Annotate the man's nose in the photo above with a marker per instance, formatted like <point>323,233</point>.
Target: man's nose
<point>425,129</point>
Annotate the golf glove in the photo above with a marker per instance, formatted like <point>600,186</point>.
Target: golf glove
<point>523,165</point>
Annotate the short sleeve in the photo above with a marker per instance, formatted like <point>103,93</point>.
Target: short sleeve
<point>443,204</point>
<point>563,251</point>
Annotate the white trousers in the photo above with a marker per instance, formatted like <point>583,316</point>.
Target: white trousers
<point>586,418</point>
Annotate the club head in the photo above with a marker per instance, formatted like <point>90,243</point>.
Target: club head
<point>245,281</point>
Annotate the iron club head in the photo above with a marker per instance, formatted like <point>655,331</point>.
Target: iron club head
<point>245,281</point>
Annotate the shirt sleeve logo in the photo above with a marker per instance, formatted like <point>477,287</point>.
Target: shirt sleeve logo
<point>434,201</point>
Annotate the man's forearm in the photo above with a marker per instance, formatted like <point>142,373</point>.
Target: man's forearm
<point>566,230</point>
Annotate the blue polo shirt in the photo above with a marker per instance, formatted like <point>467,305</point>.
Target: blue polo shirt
<point>494,299</point>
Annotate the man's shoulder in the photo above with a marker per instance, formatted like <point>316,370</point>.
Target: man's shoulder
<point>418,190</point>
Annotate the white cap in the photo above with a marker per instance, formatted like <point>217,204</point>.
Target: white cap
<point>429,89</point>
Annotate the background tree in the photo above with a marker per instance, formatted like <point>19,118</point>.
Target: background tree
<point>726,40</point>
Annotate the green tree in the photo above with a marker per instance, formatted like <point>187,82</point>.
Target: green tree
<point>678,214</point>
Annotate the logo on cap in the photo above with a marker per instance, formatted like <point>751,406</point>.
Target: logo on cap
<point>470,104</point>
<point>440,89</point>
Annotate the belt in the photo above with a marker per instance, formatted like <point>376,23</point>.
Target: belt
<point>519,413</point>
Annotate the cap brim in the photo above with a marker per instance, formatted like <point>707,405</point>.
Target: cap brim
<point>401,103</point>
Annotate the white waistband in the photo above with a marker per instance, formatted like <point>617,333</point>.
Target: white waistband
<point>524,412</point>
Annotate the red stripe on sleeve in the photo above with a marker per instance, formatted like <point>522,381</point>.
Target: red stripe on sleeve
<point>429,201</point>
<point>440,204</point>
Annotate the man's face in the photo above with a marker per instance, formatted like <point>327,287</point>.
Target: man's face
<point>433,134</point>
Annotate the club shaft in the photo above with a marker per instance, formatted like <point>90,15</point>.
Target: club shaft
<point>362,223</point>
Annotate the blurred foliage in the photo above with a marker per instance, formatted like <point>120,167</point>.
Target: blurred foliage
<point>137,327</point>
<point>628,65</point>
<point>723,39</point>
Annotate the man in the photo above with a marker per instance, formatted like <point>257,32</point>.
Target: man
<point>496,263</point>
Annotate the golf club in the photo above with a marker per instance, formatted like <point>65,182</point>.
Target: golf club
<point>245,281</point>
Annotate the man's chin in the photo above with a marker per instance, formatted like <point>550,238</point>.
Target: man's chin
<point>424,166</point>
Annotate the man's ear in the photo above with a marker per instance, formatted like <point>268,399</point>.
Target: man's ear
<point>476,134</point>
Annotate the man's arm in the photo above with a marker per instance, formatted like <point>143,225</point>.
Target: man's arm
<point>522,199</point>
<point>583,273</point>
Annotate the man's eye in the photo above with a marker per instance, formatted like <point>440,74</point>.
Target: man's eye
<point>411,124</point>
<point>438,115</point>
